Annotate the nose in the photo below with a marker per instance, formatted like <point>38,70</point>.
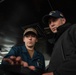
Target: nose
<point>30,37</point>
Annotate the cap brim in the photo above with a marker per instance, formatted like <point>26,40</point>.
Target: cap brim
<point>30,32</point>
<point>47,17</point>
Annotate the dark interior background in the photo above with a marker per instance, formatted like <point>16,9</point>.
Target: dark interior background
<point>15,15</point>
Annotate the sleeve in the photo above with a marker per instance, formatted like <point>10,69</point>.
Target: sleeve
<point>68,66</point>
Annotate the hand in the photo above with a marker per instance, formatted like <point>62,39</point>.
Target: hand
<point>16,61</point>
<point>51,73</point>
<point>10,60</point>
<point>31,67</point>
<point>24,64</point>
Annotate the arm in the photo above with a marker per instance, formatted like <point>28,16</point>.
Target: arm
<point>13,58</point>
<point>65,62</point>
<point>7,57</point>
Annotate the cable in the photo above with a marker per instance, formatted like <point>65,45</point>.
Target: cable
<point>50,5</point>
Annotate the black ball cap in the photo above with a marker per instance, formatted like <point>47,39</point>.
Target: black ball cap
<point>55,14</point>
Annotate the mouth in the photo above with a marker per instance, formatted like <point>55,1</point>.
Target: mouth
<point>55,28</point>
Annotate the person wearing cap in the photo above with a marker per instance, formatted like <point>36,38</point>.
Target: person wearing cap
<point>26,55</point>
<point>63,57</point>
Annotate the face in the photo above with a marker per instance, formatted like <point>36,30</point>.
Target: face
<point>30,40</point>
<point>54,23</point>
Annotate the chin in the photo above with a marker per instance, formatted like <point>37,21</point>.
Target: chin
<point>54,31</point>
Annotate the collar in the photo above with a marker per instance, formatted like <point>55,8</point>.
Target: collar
<point>36,53</point>
<point>24,48</point>
<point>60,30</point>
<point>63,27</point>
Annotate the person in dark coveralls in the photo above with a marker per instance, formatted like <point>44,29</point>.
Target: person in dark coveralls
<point>26,55</point>
<point>63,57</point>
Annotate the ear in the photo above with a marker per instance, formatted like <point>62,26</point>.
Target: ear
<point>63,20</point>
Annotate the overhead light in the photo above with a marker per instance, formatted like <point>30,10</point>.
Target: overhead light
<point>1,1</point>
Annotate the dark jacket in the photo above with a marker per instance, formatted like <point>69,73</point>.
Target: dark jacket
<point>37,60</point>
<point>63,58</point>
